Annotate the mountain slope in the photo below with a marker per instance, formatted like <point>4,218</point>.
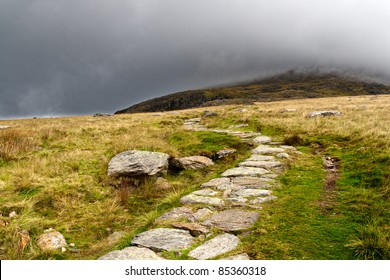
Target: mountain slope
<point>289,85</point>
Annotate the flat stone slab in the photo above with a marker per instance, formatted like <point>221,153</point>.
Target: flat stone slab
<point>265,149</point>
<point>251,192</point>
<point>216,182</point>
<point>192,162</point>
<point>261,164</point>
<point>262,139</point>
<point>244,171</point>
<point>216,246</point>
<point>232,220</point>
<point>251,181</point>
<point>4,126</point>
<point>324,114</point>
<point>260,200</point>
<point>197,199</point>
<point>240,257</point>
<point>131,253</point>
<point>200,215</point>
<point>260,158</point>
<point>164,239</point>
<point>179,213</point>
<point>206,192</point>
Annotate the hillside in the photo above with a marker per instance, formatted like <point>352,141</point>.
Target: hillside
<point>289,85</point>
<point>332,192</point>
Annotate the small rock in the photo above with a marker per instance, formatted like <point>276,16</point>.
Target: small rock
<point>4,126</point>
<point>197,199</point>
<point>162,184</point>
<point>208,113</point>
<point>179,213</point>
<point>324,114</point>
<point>260,158</point>
<point>50,241</point>
<point>282,155</point>
<point>251,192</point>
<point>166,239</point>
<point>138,163</point>
<point>216,246</point>
<point>192,163</point>
<point>131,253</point>
<point>225,153</point>
<point>194,229</point>
<point>241,110</point>
<point>63,249</point>
<point>72,245</point>
<point>102,115</point>
<point>206,192</point>
<point>244,171</point>
<point>232,220</point>
<point>262,140</point>
<point>12,214</point>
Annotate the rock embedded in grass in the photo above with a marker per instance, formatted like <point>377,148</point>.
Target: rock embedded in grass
<point>51,240</point>
<point>244,171</point>
<point>216,246</point>
<point>138,163</point>
<point>232,220</point>
<point>192,162</point>
<point>131,253</point>
<point>324,114</point>
<point>164,239</point>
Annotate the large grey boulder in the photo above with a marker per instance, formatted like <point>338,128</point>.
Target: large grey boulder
<point>131,253</point>
<point>192,162</point>
<point>216,246</point>
<point>138,163</point>
<point>164,239</point>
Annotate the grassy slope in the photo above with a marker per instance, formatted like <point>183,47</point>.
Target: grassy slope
<point>53,174</point>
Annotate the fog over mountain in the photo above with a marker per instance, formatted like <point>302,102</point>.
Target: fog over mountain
<point>61,57</point>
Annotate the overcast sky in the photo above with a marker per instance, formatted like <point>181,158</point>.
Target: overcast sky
<point>61,57</point>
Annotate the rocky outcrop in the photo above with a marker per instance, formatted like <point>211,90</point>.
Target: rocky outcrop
<point>138,163</point>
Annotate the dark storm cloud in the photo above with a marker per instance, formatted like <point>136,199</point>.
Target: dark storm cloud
<point>77,57</point>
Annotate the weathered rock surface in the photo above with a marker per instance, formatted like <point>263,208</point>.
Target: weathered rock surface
<point>239,125</point>
<point>192,163</point>
<point>164,239</point>
<point>262,139</point>
<point>179,213</point>
<point>240,257</point>
<point>265,149</point>
<point>198,199</point>
<point>216,246</point>
<point>194,228</point>
<point>251,181</point>
<point>262,164</point>
<point>200,215</point>
<point>232,220</point>
<point>260,200</point>
<point>225,153</point>
<point>216,182</point>
<point>324,114</point>
<point>51,240</point>
<point>251,192</point>
<point>282,155</point>
<point>138,163</point>
<point>244,171</point>
<point>4,126</point>
<point>209,113</point>
<point>131,253</point>
<point>206,192</point>
<point>260,158</point>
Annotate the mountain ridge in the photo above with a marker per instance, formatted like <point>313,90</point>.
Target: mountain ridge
<point>288,85</point>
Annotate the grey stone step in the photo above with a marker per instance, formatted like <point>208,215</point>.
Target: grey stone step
<point>131,253</point>
<point>232,220</point>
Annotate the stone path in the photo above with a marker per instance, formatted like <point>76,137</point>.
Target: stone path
<point>210,217</point>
